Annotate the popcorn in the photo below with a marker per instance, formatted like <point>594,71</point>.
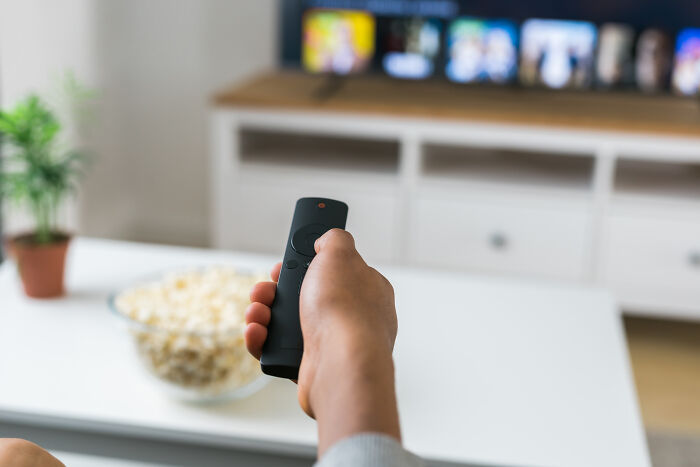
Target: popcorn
<point>188,328</point>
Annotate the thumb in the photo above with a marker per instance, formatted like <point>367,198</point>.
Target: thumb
<point>334,239</point>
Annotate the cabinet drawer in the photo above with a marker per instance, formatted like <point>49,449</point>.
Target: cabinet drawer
<point>260,213</point>
<point>650,260</point>
<point>500,237</point>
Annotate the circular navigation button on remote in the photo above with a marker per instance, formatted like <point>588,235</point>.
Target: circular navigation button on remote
<point>311,239</point>
<point>303,239</point>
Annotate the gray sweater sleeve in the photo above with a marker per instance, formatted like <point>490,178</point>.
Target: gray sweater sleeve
<point>368,450</point>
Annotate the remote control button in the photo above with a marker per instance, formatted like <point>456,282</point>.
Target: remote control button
<point>291,264</point>
<point>311,239</point>
<point>304,238</point>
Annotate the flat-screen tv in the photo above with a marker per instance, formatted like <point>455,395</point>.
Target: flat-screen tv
<point>650,46</point>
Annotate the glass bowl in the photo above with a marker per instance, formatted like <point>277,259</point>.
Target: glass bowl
<point>204,362</point>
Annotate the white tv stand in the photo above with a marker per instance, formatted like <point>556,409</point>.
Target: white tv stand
<point>573,188</point>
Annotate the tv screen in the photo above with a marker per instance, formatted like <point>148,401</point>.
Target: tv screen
<point>337,41</point>
<point>557,53</point>
<point>643,45</point>
<point>482,50</point>
<point>409,46</point>
<point>686,72</point>
<point>614,62</point>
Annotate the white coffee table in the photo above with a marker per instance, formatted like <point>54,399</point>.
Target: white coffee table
<point>489,370</point>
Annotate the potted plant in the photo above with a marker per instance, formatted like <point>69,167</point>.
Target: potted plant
<point>38,174</point>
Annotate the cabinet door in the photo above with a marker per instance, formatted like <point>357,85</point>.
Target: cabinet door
<point>654,262</point>
<point>260,213</point>
<point>500,237</point>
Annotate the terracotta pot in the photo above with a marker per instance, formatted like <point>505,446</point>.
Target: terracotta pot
<point>41,266</point>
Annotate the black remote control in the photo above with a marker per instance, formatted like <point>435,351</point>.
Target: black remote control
<point>284,345</point>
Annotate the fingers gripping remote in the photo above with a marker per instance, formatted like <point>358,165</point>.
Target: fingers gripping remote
<point>284,345</point>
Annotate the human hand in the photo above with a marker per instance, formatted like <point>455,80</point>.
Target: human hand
<point>348,321</point>
<point>21,453</point>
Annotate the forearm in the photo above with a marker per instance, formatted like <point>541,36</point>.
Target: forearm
<point>22,453</point>
<point>354,391</point>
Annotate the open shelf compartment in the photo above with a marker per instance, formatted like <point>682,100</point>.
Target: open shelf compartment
<point>657,179</point>
<point>317,151</point>
<point>517,168</point>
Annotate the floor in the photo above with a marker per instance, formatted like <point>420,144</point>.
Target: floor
<point>666,362</point>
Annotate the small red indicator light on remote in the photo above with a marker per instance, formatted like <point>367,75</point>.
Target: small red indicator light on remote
<point>321,205</point>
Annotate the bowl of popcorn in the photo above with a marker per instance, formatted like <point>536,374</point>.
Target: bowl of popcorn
<point>187,328</point>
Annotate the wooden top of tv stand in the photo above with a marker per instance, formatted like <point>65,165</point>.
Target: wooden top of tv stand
<point>380,95</point>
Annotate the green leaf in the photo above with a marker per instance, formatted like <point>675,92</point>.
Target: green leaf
<point>35,173</point>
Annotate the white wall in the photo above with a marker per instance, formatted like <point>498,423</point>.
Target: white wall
<point>36,45</point>
<point>36,48</point>
<point>155,64</point>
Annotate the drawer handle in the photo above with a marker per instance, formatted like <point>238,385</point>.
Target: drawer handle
<point>694,259</point>
<point>499,241</point>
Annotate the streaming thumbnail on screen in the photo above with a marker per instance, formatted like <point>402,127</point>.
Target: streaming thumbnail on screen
<point>411,46</point>
<point>557,54</point>
<point>653,64</point>
<point>686,71</point>
<point>337,41</point>
<point>614,64</point>
<point>482,50</point>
